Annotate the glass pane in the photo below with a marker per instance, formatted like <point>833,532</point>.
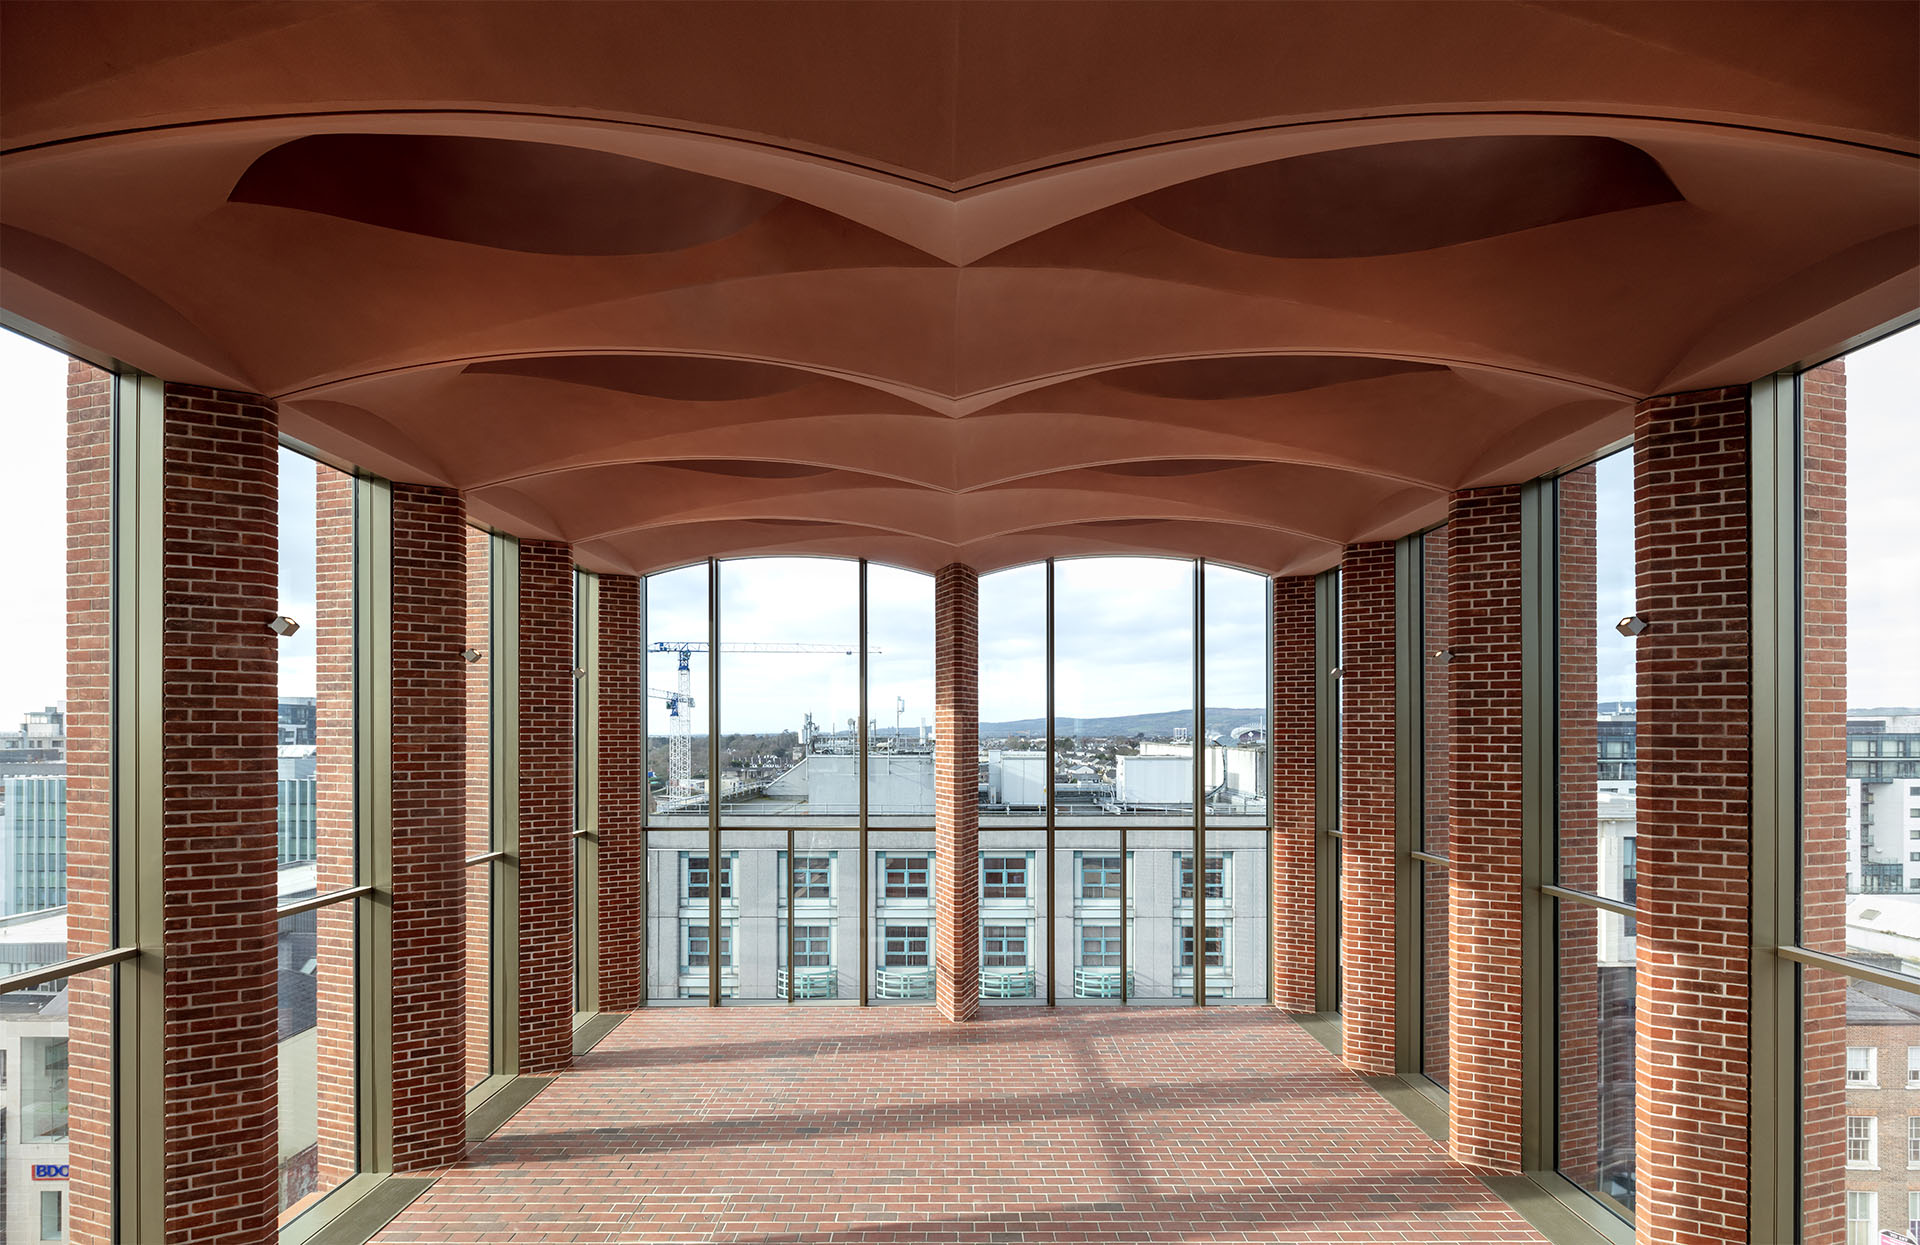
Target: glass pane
<point>1595,1054</point>
<point>38,1057</point>
<point>316,674</point>
<point>1860,795</point>
<point>1596,678</point>
<point>1436,661</point>
<point>1860,1122</point>
<point>1331,844</point>
<point>679,878</point>
<point>479,837</point>
<point>900,697</point>
<point>1433,973</point>
<point>55,480</point>
<point>1238,691</point>
<point>1595,827</point>
<point>1013,696</point>
<point>1088,920</point>
<point>1237,904</point>
<point>1862,667</point>
<point>316,1055</point>
<point>1013,915</point>
<point>676,611</point>
<point>318,1059</point>
<point>824,900</point>
<point>789,690</point>
<point>901,880</point>
<point>34,689</point>
<point>1123,690</point>
<point>751,881</point>
<point>1160,956</point>
<point>1436,756</point>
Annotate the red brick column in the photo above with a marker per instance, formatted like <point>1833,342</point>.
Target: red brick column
<point>546,807</point>
<point>623,784</point>
<point>1367,807</point>
<point>429,827</point>
<point>1294,748</point>
<point>1484,830</point>
<point>335,818</point>
<point>1690,520</point>
<point>219,848</point>
<point>1823,861</point>
<point>89,795</point>
<point>956,768</point>
<point>1578,944</point>
<point>479,807</point>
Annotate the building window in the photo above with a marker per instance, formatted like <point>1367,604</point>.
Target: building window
<point>1003,877</point>
<point>1863,1214</point>
<point>812,946</point>
<point>1003,946</point>
<point>1100,945</point>
<point>1216,947</point>
<point>906,877</point>
<point>1100,877</point>
<point>1862,1067</point>
<point>1913,1214</point>
<point>1863,1141</point>
<point>813,877</point>
<point>1216,876</point>
<point>1913,1141</point>
<point>905,946</point>
<point>699,876</point>
<point>699,946</point>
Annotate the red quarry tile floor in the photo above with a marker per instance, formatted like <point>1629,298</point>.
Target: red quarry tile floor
<point>833,1125</point>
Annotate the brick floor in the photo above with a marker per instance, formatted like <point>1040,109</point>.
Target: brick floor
<point>838,1125</point>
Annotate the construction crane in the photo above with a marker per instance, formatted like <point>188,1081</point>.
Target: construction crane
<point>679,742</point>
<point>680,732</point>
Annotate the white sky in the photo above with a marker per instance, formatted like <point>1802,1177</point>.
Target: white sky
<point>1123,625</point>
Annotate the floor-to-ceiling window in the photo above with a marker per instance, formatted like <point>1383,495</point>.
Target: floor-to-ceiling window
<point>482,854</point>
<point>1858,887</point>
<point>56,1032</point>
<point>1155,887</point>
<point>1015,938</point>
<point>1595,671</point>
<point>679,871</point>
<point>777,873</point>
<point>318,1039</point>
<point>1435,658</point>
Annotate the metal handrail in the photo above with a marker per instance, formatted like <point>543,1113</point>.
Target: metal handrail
<point>66,968</point>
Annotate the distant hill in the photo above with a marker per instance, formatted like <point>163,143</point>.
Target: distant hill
<point>1153,725</point>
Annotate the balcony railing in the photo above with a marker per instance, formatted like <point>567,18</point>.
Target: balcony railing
<point>1099,983</point>
<point>811,983</point>
<point>1007,983</point>
<point>911,983</point>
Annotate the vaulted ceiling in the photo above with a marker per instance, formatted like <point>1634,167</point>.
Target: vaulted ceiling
<point>959,282</point>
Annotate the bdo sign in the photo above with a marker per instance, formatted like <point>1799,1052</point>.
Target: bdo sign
<point>49,1171</point>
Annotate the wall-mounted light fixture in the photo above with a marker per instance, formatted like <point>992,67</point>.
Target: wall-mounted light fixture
<point>1632,625</point>
<point>283,626</point>
<point>1337,671</point>
<point>470,655</point>
<point>1443,654</point>
<point>579,672</point>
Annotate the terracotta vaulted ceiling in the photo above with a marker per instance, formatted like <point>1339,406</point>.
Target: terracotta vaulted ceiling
<point>959,282</point>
